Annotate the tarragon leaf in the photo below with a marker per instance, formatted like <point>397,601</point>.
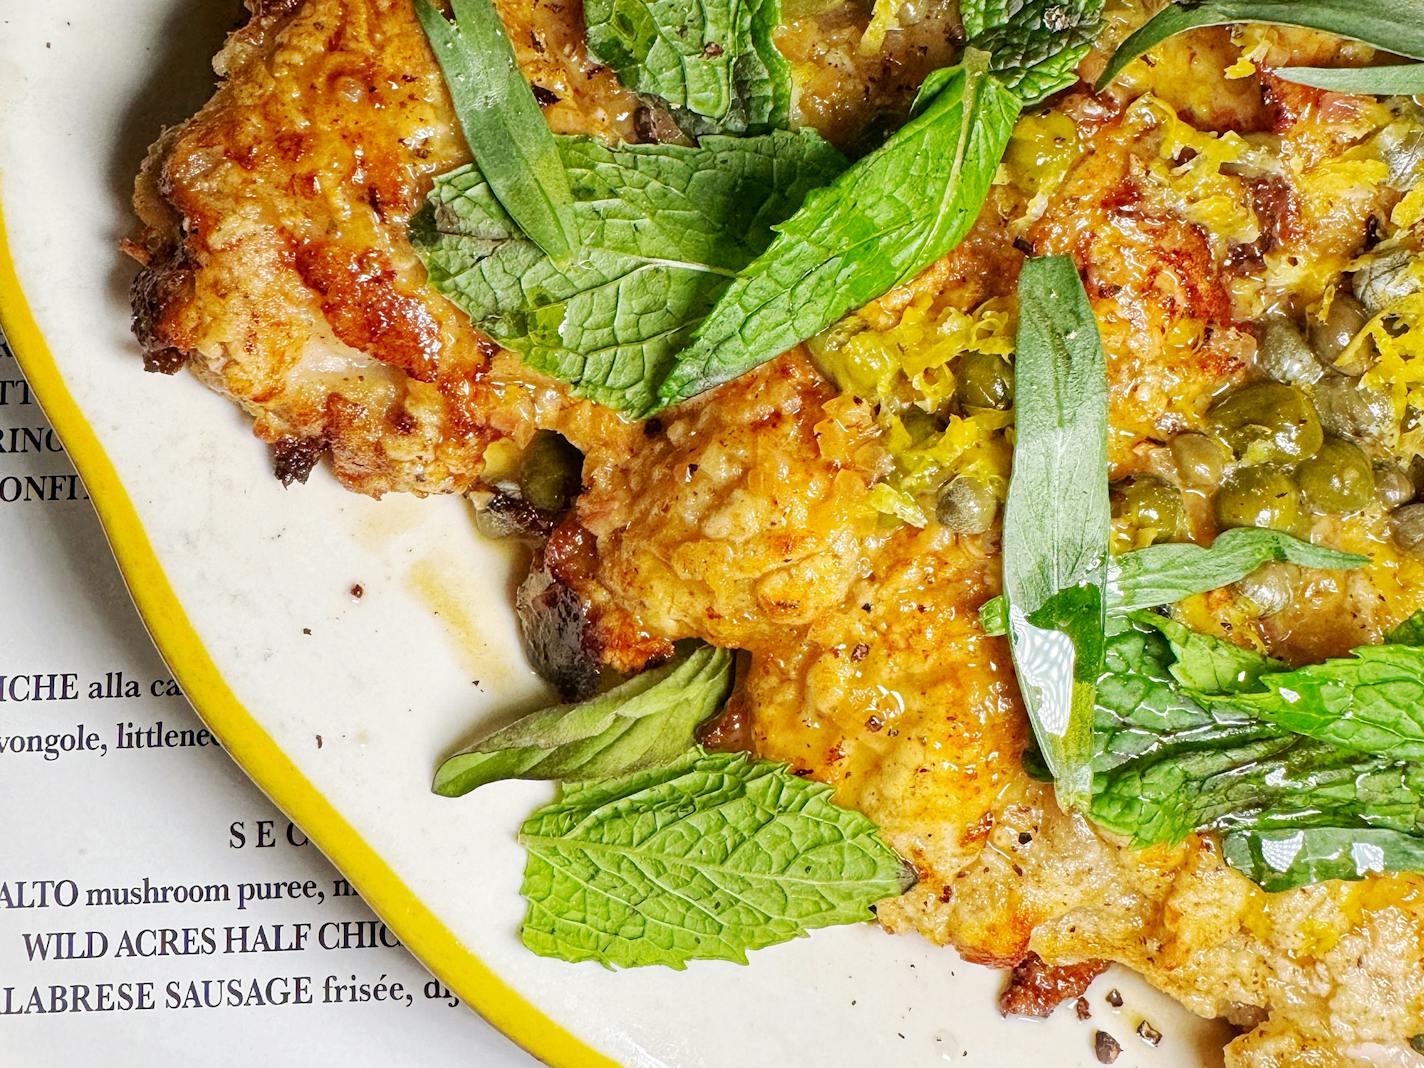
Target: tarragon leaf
<point>662,229</point>
<point>1165,574</point>
<point>502,121</point>
<point>1285,858</point>
<point>1035,46</point>
<point>1392,25</point>
<point>1404,79</point>
<point>713,61</point>
<point>1372,702</point>
<point>879,224</point>
<point>705,860</point>
<point>1057,516</point>
<point>646,722</point>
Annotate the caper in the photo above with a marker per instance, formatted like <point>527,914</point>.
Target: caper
<point>1200,461</point>
<point>1261,496</point>
<point>1332,335</point>
<point>1269,588</point>
<point>1337,479</point>
<point>1150,506</point>
<point>1284,355</point>
<point>985,381</point>
<point>1392,486</point>
<point>1267,422</point>
<point>1407,526</point>
<point>966,505</point>
<point>550,473</point>
<point>1385,279</point>
<point>1351,410</point>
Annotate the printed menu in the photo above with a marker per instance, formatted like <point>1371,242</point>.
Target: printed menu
<point>155,908</point>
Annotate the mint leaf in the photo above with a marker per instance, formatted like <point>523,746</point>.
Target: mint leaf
<point>879,224</point>
<point>646,722</point>
<point>713,61</point>
<point>1035,46</point>
<point>1410,632</point>
<point>1057,517</point>
<point>705,860</point>
<point>502,121</point>
<point>1406,79</point>
<point>1207,664</point>
<point>1283,859</point>
<point>661,229</point>
<point>1392,25</point>
<point>1164,574</point>
<point>1372,702</point>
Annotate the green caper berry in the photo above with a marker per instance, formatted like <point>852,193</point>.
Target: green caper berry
<point>966,505</point>
<point>1407,526</point>
<point>1149,506</point>
<point>1267,423</point>
<point>1332,335</point>
<point>1337,479</point>
<point>551,472</point>
<point>1269,588</point>
<point>985,381</point>
<point>1416,1043</point>
<point>1200,460</point>
<point>1283,354</point>
<point>1261,496</point>
<point>1354,411</point>
<point>1393,487</point>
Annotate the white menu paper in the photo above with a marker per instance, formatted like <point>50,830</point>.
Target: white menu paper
<point>155,908</point>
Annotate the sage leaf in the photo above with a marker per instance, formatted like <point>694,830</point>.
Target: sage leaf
<point>704,860</point>
<point>1057,517</point>
<point>646,722</point>
<point>1392,25</point>
<point>1371,702</point>
<point>1404,79</point>
<point>713,61</point>
<point>1285,858</point>
<point>506,131</point>
<point>879,224</point>
<point>662,229</point>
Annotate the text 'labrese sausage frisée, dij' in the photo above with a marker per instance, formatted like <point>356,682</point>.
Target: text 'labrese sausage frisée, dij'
<point>644,275</point>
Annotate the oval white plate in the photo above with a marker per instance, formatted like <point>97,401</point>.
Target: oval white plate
<point>339,708</point>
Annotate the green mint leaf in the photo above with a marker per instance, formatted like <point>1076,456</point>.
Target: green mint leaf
<point>1404,79</point>
<point>662,229</point>
<point>1372,702</point>
<point>646,722</point>
<point>713,61</point>
<point>705,860</point>
<point>1207,664</point>
<point>879,224</point>
<point>1035,46</point>
<point>1164,574</point>
<point>1410,632</point>
<point>1283,859</point>
<point>1057,517</point>
<point>1392,25</point>
<point>502,121</point>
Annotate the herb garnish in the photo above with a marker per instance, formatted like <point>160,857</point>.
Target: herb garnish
<point>1403,79</point>
<point>713,61</point>
<point>1057,518</point>
<point>662,230</point>
<point>502,121</point>
<point>646,722</point>
<point>1392,25</point>
<point>702,860</point>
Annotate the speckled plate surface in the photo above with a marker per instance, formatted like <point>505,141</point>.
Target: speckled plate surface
<point>338,707</point>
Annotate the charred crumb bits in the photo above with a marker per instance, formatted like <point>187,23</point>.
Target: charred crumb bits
<point>307,631</point>
<point>1025,838</point>
<point>1114,998</point>
<point>1149,1034</point>
<point>1083,1009</point>
<point>860,652</point>
<point>1106,1047</point>
<point>357,591</point>
<point>547,97</point>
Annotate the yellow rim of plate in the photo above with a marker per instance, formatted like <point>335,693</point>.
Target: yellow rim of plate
<point>241,735</point>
